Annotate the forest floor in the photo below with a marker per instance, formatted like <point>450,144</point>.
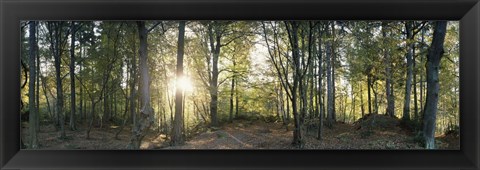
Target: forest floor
<point>370,132</point>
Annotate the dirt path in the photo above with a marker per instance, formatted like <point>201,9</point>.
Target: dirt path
<point>241,135</point>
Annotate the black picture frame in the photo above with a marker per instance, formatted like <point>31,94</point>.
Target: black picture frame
<point>12,11</point>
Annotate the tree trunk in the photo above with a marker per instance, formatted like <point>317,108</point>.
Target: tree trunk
<point>177,132</point>
<point>133,78</point>
<point>375,98</point>
<point>232,90</point>
<point>434,56</point>
<point>55,33</point>
<point>333,114</point>
<point>408,83</point>
<point>92,117</point>
<point>31,85</point>
<point>362,108</point>
<point>236,101</point>
<point>388,77</point>
<point>415,97</point>
<point>369,96</point>
<point>422,41</point>
<point>320,87</point>
<point>37,83</point>
<point>72,77</point>
<point>292,29</point>
<point>215,38</point>
<point>145,117</point>
<point>330,97</point>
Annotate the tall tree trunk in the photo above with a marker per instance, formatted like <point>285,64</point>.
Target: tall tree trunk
<point>215,38</point>
<point>362,108</point>
<point>72,77</point>
<point>81,110</point>
<point>330,95</point>
<point>435,53</point>
<point>31,85</point>
<point>292,29</point>
<point>55,33</point>
<point>375,97</point>
<point>369,96</point>
<point>333,57</point>
<point>37,83</point>
<point>177,132</point>
<point>415,97</point>
<point>408,83</point>
<point>388,78</point>
<point>145,117</point>
<point>133,78</point>
<point>281,105</point>
<point>236,101</point>
<point>320,87</point>
<point>353,103</point>
<point>422,41</point>
<point>232,90</point>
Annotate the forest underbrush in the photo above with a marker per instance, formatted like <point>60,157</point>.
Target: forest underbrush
<point>373,131</point>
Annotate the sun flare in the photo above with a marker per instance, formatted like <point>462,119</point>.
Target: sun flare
<point>184,83</point>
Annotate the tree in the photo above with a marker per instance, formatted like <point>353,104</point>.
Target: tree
<point>281,64</point>
<point>56,31</point>
<point>320,87</point>
<point>388,74</point>
<point>330,81</point>
<point>177,133</point>
<point>435,53</point>
<point>215,33</point>
<point>145,117</point>
<point>31,85</point>
<point>292,30</point>
<point>72,76</point>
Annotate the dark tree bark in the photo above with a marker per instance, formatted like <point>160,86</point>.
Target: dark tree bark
<point>320,87</point>
<point>145,117</point>
<point>292,29</point>
<point>72,76</point>
<point>330,93</point>
<point>388,76</point>
<point>369,95</point>
<point>435,53</point>
<point>375,96</point>
<point>37,89</point>
<point>408,83</point>
<point>232,89</point>
<point>362,108</point>
<point>32,41</point>
<point>133,82</point>
<point>422,86</point>
<point>333,114</point>
<point>81,109</point>
<point>177,132</point>
<point>55,30</point>
<point>415,97</point>
<point>215,36</point>
<point>236,101</point>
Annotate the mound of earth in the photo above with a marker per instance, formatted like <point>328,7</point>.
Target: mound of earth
<point>378,122</point>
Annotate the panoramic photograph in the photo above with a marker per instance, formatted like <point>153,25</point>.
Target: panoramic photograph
<point>182,85</point>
